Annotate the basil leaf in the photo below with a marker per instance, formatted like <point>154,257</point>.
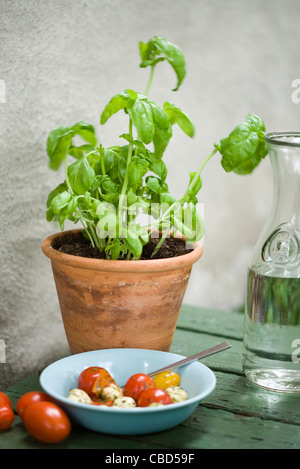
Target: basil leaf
<point>245,146</point>
<point>163,130</point>
<point>167,198</point>
<point>179,117</point>
<point>159,168</point>
<point>112,198</point>
<point>58,190</point>
<point>136,238</point>
<point>137,169</point>
<point>109,187</point>
<point>174,56</point>
<point>191,193</point>
<point>114,249</point>
<point>151,122</point>
<point>85,131</point>
<point>142,117</point>
<point>80,151</point>
<point>50,215</point>
<point>122,166</point>
<point>117,102</point>
<point>131,197</point>
<point>134,243</point>
<point>60,201</point>
<point>108,161</point>
<point>58,143</point>
<point>172,53</point>
<point>67,212</point>
<point>81,175</point>
<point>147,53</point>
<point>154,184</point>
<point>142,150</point>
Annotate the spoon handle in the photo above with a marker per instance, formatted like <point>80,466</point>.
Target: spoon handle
<point>192,358</point>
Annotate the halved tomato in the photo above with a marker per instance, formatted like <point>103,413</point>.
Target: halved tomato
<point>103,380</point>
<point>87,379</point>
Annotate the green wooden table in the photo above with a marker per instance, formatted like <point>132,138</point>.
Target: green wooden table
<point>237,415</point>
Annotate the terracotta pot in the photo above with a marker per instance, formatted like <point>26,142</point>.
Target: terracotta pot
<point>112,304</point>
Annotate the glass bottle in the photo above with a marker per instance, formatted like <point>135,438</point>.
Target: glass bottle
<point>271,343</point>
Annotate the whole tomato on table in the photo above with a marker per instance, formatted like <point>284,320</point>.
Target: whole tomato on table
<point>47,422</point>
<point>6,412</point>
<point>29,398</point>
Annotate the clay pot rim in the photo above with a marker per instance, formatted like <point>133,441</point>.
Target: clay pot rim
<point>153,265</point>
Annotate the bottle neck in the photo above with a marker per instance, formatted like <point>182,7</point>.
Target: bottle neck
<point>278,249</point>
<point>285,162</point>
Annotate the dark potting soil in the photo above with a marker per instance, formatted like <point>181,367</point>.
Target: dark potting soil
<point>77,245</point>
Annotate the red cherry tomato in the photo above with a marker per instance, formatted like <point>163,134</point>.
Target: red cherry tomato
<point>7,417</point>
<point>29,398</point>
<point>4,400</point>
<point>46,422</point>
<point>136,384</point>
<point>154,395</point>
<point>87,379</point>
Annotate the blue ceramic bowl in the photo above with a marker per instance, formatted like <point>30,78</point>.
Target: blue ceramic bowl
<point>61,376</point>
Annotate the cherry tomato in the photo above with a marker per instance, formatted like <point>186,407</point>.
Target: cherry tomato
<point>29,398</point>
<point>5,400</point>
<point>154,395</point>
<point>87,379</point>
<point>103,380</point>
<point>167,378</point>
<point>136,384</point>
<point>7,416</point>
<point>46,422</point>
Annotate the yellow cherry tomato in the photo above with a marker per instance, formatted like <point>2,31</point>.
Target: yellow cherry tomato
<point>167,378</point>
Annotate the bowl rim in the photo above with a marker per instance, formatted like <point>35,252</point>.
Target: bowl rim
<point>120,410</point>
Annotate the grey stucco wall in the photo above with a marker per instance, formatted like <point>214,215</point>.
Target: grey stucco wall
<point>61,61</point>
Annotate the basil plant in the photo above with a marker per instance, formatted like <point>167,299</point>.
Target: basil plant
<point>107,190</point>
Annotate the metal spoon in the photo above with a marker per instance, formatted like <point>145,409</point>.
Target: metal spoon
<point>192,358</point>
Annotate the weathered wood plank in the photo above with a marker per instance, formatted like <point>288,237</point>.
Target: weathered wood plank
<point>235,394</point>
<point>189,342</point>
<point>207,428</point>
<point>210,321</point>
